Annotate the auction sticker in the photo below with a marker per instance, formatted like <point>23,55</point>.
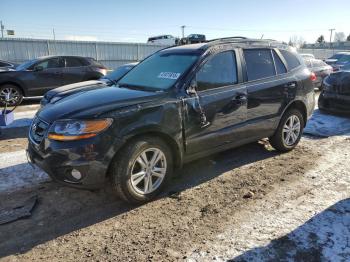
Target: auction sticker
<point>169,75</point>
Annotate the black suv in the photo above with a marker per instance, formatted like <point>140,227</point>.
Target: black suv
<point>37,76</point>
<point>179,104</point>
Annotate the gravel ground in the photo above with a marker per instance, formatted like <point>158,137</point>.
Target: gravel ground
<point>245,204</point>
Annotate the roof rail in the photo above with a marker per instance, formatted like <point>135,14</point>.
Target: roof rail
<point>248,41</point>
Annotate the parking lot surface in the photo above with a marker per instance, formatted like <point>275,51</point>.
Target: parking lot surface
<point>249,203</point>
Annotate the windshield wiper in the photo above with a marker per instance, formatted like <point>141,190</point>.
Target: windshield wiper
<point>137,87</point>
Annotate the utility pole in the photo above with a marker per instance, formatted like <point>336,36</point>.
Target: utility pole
<point>2,29</point>
<point>330,38</point>
<point>183,31</point>
<point>53,32</point>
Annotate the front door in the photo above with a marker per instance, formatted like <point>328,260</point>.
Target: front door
<point>216,112</point>
<point>44,76</point>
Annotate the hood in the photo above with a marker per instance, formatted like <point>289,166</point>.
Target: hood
<point>76,87</point>
<point>94,101</point>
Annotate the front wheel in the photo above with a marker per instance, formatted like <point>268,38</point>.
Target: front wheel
<point>141,170</point>
<point>289,131</point>
<point>10,95</point>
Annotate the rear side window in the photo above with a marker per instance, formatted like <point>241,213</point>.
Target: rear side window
<point>218,71</point>
<point>308,63</point>
<point>259,63</point>
<point>280,68</point>
<point>73,62</point>
<point>291,59</point>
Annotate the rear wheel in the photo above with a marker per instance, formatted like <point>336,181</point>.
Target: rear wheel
<point>10,94</point>
<point>142,169</point>
<point>289,131</point>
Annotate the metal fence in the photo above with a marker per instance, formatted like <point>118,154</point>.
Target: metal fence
<point>111,54</point>
<point>321,53</point>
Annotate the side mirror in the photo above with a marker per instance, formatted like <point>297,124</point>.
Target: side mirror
<point>38,68</point>
<point>191,90</point>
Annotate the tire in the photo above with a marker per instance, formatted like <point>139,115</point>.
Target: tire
<point>16,95</point>
<point>280,138</point>
<point>128,162</point>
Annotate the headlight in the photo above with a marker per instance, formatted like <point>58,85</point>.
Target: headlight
<point>68,130</point>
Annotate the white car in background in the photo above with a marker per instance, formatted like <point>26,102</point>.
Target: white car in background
<point>307,56</point>
<point>163,40</point>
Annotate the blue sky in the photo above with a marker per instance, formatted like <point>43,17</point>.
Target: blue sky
<point>135,21</point>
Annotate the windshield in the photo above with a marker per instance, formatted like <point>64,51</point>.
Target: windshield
<point>159,71</point>
<point>25,65</point>
<point>118,73</point>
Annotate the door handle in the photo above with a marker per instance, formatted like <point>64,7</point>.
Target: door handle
<point>291,85</point>
<point>240,99</point>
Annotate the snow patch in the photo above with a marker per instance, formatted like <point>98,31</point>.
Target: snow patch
<point>22,119</point>
<point>16,172</point>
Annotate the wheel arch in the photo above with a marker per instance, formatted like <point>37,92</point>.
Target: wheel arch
<point>169,140</point>
<point>15,84</point>
<point>300,105</point>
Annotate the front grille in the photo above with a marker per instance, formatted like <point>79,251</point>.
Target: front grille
<point>38,130</point>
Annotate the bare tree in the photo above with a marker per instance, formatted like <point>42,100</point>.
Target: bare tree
<point>339,37</point>
<point>296,41</point>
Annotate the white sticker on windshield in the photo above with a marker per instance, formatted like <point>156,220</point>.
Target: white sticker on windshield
<point>169,75</point>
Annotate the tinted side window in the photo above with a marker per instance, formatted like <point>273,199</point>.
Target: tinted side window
<point>281,69</point>
<point>218,71</point>
<point>50,63</point>
<point>291,59</point>
<point>73,62</point>
<point>259,63</point>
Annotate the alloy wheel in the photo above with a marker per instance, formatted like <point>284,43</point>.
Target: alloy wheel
<point>291,130</point>
<point>9,95</point>
<point>148,171</point>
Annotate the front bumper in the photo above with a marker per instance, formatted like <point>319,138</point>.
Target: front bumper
<point>91,157</point>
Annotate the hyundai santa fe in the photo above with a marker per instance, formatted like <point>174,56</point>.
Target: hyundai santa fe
<point>179,104</point>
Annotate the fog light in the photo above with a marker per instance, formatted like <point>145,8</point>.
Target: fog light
<point>76,174</point>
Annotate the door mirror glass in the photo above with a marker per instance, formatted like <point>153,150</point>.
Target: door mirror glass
<point>38,68</point>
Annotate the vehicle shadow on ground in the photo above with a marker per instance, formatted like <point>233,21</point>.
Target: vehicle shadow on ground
<point>62,210</point>
<point>13,133</point>
<point>325,237</point>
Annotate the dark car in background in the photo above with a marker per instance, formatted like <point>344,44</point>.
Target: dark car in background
<point>37,76</point>
<point>341,62</point>
<point>111,78</point>
<point>334,58</point>
<point>320,68</point>
<point>335,96</point>
<point>6,65</point>
<point>177,105</point>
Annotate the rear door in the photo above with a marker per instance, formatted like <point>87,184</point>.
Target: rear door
<point>49,76</point>
<point>74,71</point>
<point>268,89</point>
<point>214,115</point>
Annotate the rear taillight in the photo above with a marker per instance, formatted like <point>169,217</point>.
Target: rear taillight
<point>313,77</point>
